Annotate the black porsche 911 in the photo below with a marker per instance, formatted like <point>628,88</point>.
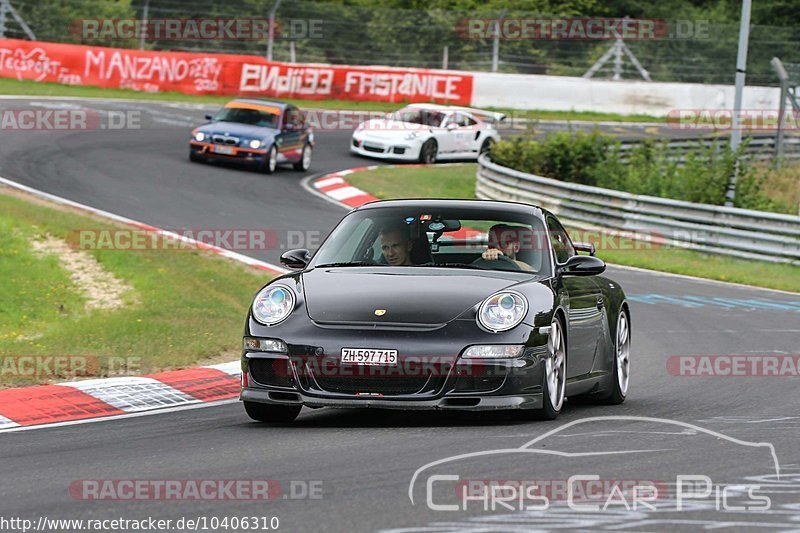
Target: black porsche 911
<point>438,304</point>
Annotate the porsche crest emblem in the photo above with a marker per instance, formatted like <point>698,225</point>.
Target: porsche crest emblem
<point>380,312</point>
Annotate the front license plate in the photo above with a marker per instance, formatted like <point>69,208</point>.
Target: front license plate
<point>367,356</point>
<point>224,150</point>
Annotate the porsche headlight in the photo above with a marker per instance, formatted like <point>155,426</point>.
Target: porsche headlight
<point>502,311</point>
<point>273,304</point>
<point>255,144</point>
<point>199,136</point>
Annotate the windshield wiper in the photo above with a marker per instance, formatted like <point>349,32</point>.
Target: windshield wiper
<point>452,265</point>
<point>344,264</point>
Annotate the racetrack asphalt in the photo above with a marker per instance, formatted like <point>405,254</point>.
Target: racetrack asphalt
<point>365,460</point>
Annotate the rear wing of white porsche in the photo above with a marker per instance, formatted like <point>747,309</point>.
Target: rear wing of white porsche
<point>483,114</point>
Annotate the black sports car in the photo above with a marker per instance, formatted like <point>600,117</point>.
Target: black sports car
<point>437,304</point>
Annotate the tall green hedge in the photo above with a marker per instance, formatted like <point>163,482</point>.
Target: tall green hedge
<point>592,158</point>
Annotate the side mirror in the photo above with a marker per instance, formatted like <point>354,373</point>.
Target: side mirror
<point>583,265</point>
<point>451,126</point>
<point>209,117</point>
<point>297,258</point>
<point>289,127</point>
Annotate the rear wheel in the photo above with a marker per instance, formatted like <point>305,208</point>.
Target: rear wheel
<point>305,160</point>
<point>428,152</point>
<point>263,412</point>
<point>622,361</point>
<point>486,146</point>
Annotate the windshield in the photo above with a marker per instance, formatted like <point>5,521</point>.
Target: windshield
<point>243,115</point>
<point>415,115</point>
<point>448,238</point>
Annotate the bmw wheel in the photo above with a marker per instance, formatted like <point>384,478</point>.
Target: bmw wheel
<point>305,160</point>
<point>428,152</point>
<point>262,412</point>
<point>271,162</point>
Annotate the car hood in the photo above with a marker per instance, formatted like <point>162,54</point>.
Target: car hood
<point>237,129</point>
<point>408,295</point>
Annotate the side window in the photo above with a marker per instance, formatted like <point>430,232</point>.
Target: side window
<point>559,240</point>
<point>464,121</point>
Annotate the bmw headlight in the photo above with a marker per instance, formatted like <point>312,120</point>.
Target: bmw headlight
<point>502,311</point>
<point>255,144</point>
<point>199,136</point>
<point>273,304</point>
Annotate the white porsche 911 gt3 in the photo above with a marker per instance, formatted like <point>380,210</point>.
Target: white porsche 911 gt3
<point>428,133</point>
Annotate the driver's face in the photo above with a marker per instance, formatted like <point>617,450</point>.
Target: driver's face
<point>396,249</point>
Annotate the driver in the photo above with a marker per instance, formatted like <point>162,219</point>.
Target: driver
<point>396,246</point>
<point>505,240</point>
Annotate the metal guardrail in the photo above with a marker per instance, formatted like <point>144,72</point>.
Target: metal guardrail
<point>756,148</point>
<point>713,229</point>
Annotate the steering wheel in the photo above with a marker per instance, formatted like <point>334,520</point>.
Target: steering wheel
<point>492,264</point>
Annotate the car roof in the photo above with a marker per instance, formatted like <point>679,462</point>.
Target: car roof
<point>449,203</point>
<point>257,101</point>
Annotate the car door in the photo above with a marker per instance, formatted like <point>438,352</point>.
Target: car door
<point>464,134</point>
<point>444,133</point>
<point>290,140</point>
<point>585,315</point>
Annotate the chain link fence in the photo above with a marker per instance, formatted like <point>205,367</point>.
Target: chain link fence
<point>689,50</point>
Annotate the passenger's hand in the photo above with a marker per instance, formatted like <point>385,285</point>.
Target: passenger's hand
<point>492,254</point>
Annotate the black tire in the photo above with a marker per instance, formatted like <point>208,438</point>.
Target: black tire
<point>271,162</point>
<point>264,412</point>
<point>195,157</point>
<point>301,165</point>
<point>428,152</point>
<point>486,146</point>
<point>615,394</point>
<point>548,410</point>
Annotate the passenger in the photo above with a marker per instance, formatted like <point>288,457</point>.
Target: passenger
<point>396,246</point>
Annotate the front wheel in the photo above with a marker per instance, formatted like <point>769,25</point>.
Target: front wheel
<point>263,412</point>
<point>271,162</point>
<point>428,152</point>
<point>195,157</point>
<point>305,160</point>
<point>555,375</point>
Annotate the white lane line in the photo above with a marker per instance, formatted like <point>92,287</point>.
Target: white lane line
<point>327,182</point>
<point>132,394</point>
<point>215,249</point>
<point>234,368</point>
<point>5,423</point>
<point>345,192</point>
<point>126,415</point>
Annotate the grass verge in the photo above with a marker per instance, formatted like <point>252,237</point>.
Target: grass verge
<point>184,307</point>
<point>458,181</point>
<point>31,88</point>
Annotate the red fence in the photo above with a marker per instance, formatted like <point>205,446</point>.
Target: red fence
<point>197,73</point>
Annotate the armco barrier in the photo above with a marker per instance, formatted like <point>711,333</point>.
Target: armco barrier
<point>713,229</point>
